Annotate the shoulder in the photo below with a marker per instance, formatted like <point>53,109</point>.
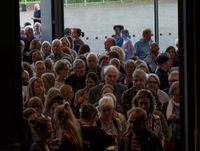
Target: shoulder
<point>80,91</point>
<point>130,90</point>
<point>96,88</point>
<point>117,123</point>
<point>163,94</point>
<point>121,86</point>
<point>35,147</point>
<point>151,136</point>
<point>156,115</point>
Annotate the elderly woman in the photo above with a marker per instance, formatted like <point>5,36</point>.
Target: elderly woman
<point>146,101</point>
<point>130,67</point>
<point>46,49</point>
<point>152,84</point>
<point>107,121</point>
<point>92,64</point>
<point>172,110</point>
<point>92,134</point>
<point>137,135</point>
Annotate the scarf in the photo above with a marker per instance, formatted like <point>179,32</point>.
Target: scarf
<point>170,107</point>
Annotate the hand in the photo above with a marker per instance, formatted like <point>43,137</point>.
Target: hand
<point>54,144</point>
<point>172,117</point>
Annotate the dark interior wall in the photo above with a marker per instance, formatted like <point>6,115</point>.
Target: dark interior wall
<point>189,73</point>
<point>11,105</point>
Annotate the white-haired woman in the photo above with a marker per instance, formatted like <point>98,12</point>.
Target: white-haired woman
<point>107,121</point>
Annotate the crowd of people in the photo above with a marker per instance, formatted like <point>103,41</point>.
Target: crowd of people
<point>124,98</point>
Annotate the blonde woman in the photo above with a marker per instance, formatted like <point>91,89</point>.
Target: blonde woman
<point>68,129</point>
<point>107,121</point>
<point>36,88</point>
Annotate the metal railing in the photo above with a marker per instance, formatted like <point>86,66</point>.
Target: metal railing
<point>85,2</point>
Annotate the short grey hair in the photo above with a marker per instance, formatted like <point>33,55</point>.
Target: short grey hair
<point>108,68</point>
<point>155,76</point>
<point>139,72</point>
<point>78,61</point>
<point>92,54</point>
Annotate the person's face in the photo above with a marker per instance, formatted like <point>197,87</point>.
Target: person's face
<point>38,45</point>
<point>108,43</point>
<point>25,78</point>
<point>139,82</point>
<point>46,84</point>
<point>172,53</point>
<point>46,48</point>
<point>104,63</point>
<point>154,48</point>
<point>64,43</point>
<point>37,28</point>
<point>117,31</point>
<point>176,95</point>
<point>152,84</point>
<point>116,64</point>
<point>144,103</point>
<point>168,64</point>
<point>64,71</point>
<point>124,35</point>
<point>74,33</point>
<point>173,78</point>
<point>106,111</point>
<point>70,94</point>
<point>137,122</point>
<point>32,117</point>
<point>111,77</point>
<point>40,69</point>
<point>89,82</point>
<point>147,37</point>
<point>22,33</point>
<point>29,33</point>
<point>57,48</point>
<point>107,90</point>
<point>92,62</point>
<point>38,88</point>
<point>52,108</point>
<point>38,107</point>
<point>22,46</point>
<point>37,57</point>
<point>144,68</point>
<point>80,69</point>
<point>130,68</point>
